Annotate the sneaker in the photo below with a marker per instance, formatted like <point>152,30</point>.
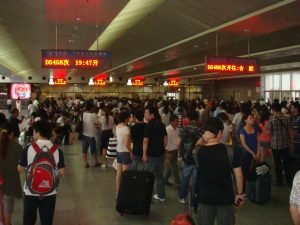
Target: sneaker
<point>181,200</point>
<point>103,166</point>
<point>158,198</point>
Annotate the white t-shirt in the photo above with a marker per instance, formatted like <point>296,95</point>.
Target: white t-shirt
<point>61,121</point>
<point>36,103</point>
<point>107,125</point>
<point>8,102</point>
<point>89,123</point>
<point>237,118</point>
<point>172,138</point>
<point>31,109</point>
<point>121,133</point>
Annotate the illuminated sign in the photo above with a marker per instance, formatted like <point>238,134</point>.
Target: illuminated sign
<point>231,65</point>
<point>100,80</point>
<point>138,81</point>
<point>173,82</point>
<point>59,81</point>
<point>22,91</point>
<point>69,59</point>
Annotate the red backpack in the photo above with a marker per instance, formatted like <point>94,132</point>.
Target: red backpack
<point>41,177</point>
<point>182,219</point>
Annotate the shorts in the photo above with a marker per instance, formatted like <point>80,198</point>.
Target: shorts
<point>87,142</point>
<point>123,158</point>
<point>8,203</point>
<point>265,145</point>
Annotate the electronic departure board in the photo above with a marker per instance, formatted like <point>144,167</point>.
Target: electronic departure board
<point>68,59</point>
<point>231,65</point>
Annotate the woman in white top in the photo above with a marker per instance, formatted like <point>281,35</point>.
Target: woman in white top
<point>123,147</point>
<point>18,104</point>
<point>106,124</point>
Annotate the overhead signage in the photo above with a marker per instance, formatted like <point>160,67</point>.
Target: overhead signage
<point>138,81</point>
<point>69,59</point>
<point>173,82</point>
<point>59,81</point>
<point>231,65</point>
<point>100,80</point>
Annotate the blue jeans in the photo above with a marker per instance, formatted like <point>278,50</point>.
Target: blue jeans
<point>136,160</point>
<point>87,142</point>
<point>156,166</point>
<point>189,171</point>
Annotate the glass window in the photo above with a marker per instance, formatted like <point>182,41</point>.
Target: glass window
<point>276,82</point>
<point>296,81</point>
<point>286,82</point>
<point>269,82</point>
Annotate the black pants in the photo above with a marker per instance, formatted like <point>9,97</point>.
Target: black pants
<point>45,205</point>
<point>278,155</point>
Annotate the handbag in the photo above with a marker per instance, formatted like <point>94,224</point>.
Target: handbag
<point>111,148</point>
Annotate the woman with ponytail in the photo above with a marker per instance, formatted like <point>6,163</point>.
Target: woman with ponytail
<point>10,152</point>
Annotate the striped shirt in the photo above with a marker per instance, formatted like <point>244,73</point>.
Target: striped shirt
<point>279,127</point>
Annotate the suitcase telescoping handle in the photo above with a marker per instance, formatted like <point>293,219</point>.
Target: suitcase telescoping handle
<point>142,166</point>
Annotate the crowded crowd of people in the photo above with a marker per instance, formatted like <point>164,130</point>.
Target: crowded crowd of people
<point>157,133</point>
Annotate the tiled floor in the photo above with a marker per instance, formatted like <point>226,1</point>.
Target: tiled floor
<point>87,197</point>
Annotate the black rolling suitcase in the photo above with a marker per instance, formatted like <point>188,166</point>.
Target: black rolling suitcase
<point>259,189</point>
<point>135,192</point>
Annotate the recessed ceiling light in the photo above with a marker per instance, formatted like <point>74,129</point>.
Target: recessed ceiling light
<point>71,40</point>
<point>79,18</point>
<point>195,68</point>
<point>196,46</point>
<point>247,30</point>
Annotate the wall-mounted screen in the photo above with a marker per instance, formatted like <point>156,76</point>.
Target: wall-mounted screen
<point>22,91</point>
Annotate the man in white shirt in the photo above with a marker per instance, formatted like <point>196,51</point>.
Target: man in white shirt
<point>172,151</point>
<point>88,140</point>
<point>31,108</point>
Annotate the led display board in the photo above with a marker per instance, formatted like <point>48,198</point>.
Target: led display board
<point>22,91</point>
<point>173,82</point>
<point>59,81</point>
<point>68,59</point>
<point>138,81</point>
<point>231,65</point>
<point>100,80</point>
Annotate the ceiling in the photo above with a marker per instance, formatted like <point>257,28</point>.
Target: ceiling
<point>157,39</point>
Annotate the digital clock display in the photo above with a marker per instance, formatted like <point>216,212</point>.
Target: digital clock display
<point>52,59</point>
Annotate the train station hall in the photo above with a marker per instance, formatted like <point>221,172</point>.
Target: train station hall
<point>149,112</point>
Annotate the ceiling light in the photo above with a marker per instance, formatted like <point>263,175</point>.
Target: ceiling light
<point>91,81</point>
<point>196,46</point>
<point>111,79</point>
<point>51,82</point>
<point>129,82</point>
<point>71,40</point>
<point>247,30</point>
<point>165,83</point>
<point>195,68</point>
